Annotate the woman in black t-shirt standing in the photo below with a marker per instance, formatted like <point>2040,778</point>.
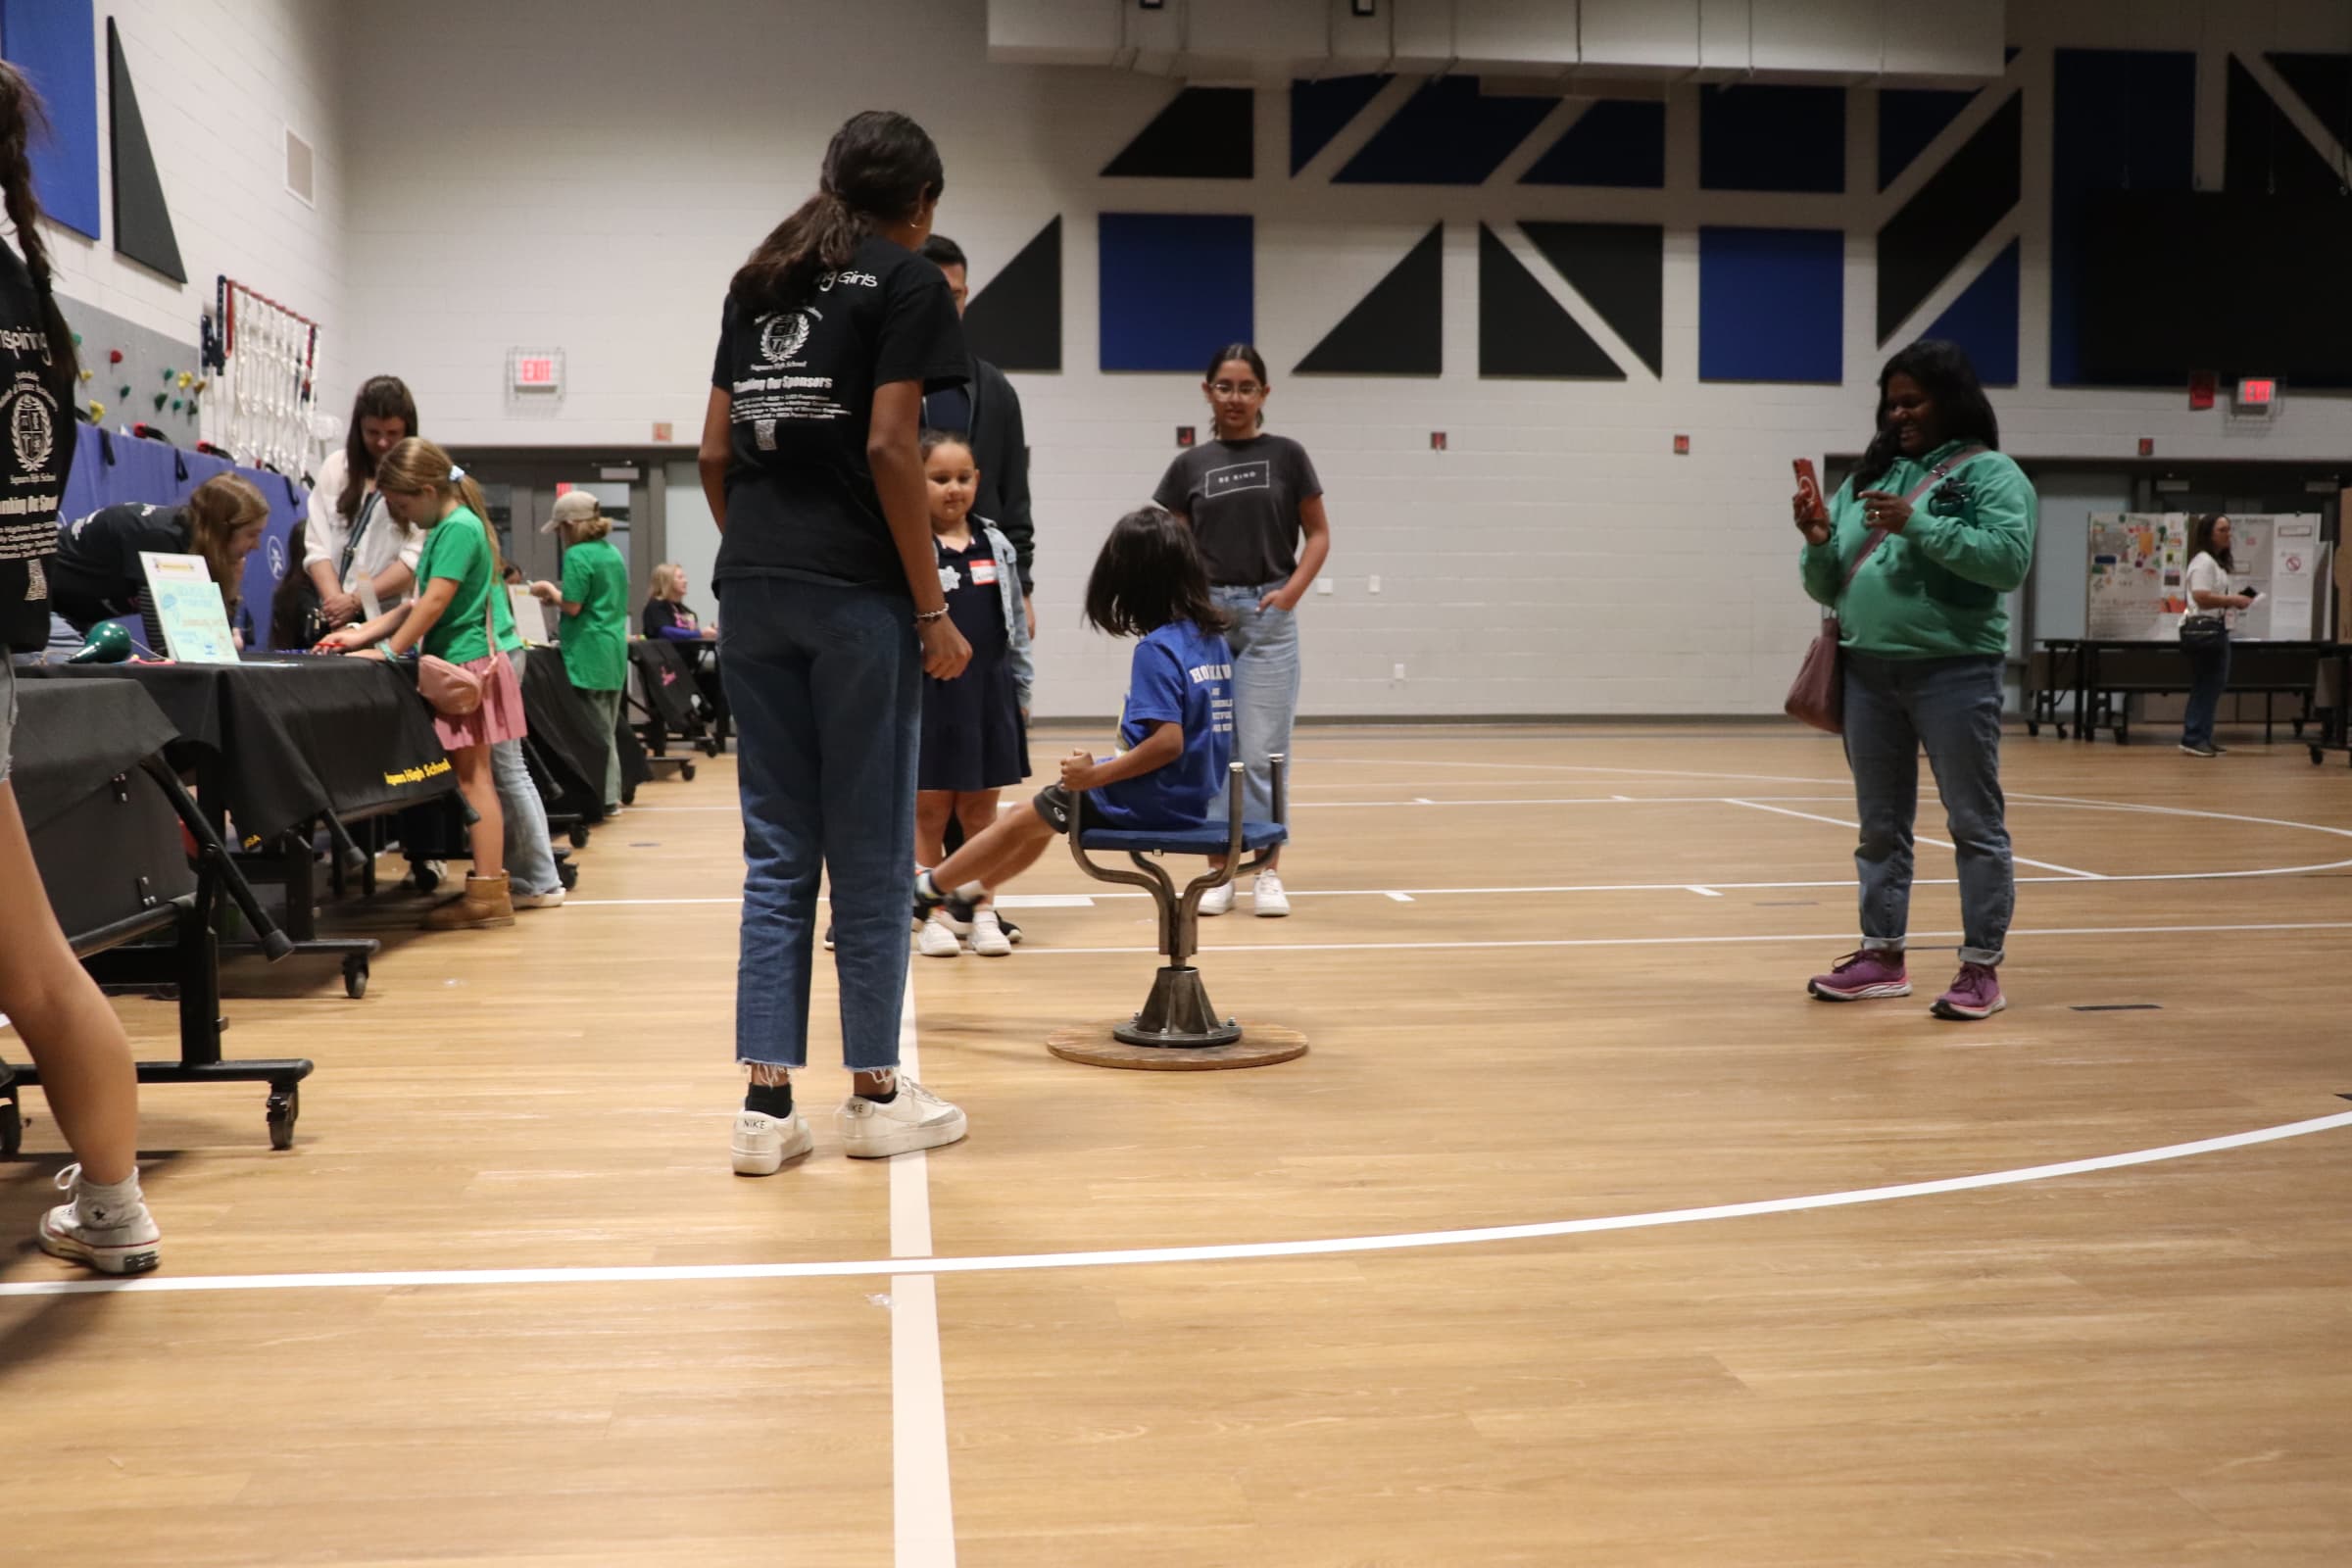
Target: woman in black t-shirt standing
<point>1256,508</point>
<point>830,616</point>
<point>75,1040</point>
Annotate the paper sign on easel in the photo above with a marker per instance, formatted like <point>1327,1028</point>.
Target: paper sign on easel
<point>188,606</point>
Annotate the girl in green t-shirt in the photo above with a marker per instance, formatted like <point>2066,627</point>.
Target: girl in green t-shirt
<point>595,629</point>
<point>463,616</point>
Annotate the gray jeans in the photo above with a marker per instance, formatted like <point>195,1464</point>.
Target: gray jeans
<point>1952,707</point>
<point>1265,691</point>
<point>530,857</point>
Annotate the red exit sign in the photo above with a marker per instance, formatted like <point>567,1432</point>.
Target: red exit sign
<point>535,370</point>
<point>2257,393</point>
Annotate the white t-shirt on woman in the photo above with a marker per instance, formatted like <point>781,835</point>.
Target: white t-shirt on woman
<point>2206,575</point>
<point>384,542</point>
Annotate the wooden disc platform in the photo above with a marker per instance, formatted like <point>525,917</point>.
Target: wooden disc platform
<point>1261,1045</point>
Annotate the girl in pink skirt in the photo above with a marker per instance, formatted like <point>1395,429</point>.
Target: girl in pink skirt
<point>461,616</point>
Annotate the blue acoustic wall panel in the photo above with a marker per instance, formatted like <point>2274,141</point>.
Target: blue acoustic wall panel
<point>1617,141</point>
<point>2121,120</point>
<point>1910,118</point>
<point>1772,138</point>
<point>1175,287</point>
<point>1983,321</point>
<point>1772,305</point>
<point>55,43</point>
<point>1322,110</point>
<point>1447,133</point>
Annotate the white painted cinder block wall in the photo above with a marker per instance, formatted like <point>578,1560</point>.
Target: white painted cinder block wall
<point>586,174</point>
<point>219,83</point>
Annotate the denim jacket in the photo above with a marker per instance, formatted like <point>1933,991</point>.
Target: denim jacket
<point>1016,609</point>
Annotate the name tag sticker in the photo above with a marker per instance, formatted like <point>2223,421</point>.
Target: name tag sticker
<point>984,573</point>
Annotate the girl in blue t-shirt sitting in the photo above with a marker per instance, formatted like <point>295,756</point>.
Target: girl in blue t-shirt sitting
<point>1175,734</point>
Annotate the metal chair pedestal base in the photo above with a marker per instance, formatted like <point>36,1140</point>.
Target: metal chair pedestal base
<point>1178,1015</point>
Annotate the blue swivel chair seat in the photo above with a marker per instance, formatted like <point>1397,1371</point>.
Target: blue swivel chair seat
<point>1177,1013</point>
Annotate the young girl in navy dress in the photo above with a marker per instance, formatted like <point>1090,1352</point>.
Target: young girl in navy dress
<point>1175,734</point>
<point>974,742</point>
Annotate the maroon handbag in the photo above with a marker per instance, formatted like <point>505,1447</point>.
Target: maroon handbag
<point>1817,697</point>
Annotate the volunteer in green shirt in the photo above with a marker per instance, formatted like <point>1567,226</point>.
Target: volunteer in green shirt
<point>461,606</point>
<point>1941,525</point>
<point>595,629</point>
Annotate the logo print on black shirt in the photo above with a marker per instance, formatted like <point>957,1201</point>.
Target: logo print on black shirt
<point>782,336</point>
<point>1258,476</point>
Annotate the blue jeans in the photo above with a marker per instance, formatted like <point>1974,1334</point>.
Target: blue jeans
<point>1265,691</point>
<point>530,857</point>
<point>1953,708</point>
<point>825,684</point>
<point>2210,677</point>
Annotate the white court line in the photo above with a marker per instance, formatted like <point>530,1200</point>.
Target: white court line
<point>1266,948</point>
<point>1401,898</point>
<point>921,1503</point>
<point>1705,892</point>
<point>1567,768</point>
<point>1231,1251</point>
<point>1941,843</point>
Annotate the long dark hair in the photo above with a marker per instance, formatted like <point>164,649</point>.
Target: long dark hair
<point>2200,539</point>
<point>21,114</point>
<point>1149,576</point>
<point>382,397</point>
<point>879,168</point>
<point>1943,371</point>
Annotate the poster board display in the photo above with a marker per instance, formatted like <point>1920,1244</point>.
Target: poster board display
<point>189,608</point>
<point>2136,590</point>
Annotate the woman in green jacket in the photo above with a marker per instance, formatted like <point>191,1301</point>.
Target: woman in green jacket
<point>1941,525</point>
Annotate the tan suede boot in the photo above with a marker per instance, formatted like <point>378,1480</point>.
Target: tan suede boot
<point>485,904</point>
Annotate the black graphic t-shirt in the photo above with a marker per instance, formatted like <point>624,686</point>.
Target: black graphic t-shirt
<point>1243,499</point>
<point>801,500</point>
<point>97,574</point>
<point>37,448</point>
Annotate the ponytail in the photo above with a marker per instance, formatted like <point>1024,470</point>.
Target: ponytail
<point>418,465</point>
<point>820,237</point>
<point>880,167</point>
<point>21,114</point>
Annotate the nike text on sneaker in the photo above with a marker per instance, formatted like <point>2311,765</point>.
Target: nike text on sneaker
<point>1869,975</point>
<point>913,1118</point>
<point>762,1143</point>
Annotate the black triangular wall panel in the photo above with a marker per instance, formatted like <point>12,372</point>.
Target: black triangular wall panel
<point>2267,155</point>
<point>2325,84</point>
<point>1396,330</point>
<point>1015,323</point>
<point>142,219</point>
<point>1955,209</point>
<point>1206,133</point>
<point>1522,330</point>
<point>1620,269</point>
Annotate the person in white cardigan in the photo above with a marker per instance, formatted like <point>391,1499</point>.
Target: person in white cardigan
<point>344,504</point>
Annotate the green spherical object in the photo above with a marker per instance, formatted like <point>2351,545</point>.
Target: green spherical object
<point>107,644</point>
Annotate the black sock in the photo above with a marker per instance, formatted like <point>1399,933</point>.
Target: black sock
<point>768,1100</point>
<point>881,1100</point>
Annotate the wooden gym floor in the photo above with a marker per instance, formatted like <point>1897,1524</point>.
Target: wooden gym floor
<point>1550,976</point>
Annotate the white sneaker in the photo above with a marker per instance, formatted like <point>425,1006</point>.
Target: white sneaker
<point>762,1143</point>
<point>113,1233</point>
<point>939,939</point>
<point>989,940</point>
<point>1217,900</point>
<point>1271,903</point>
<point>915,1119</point>
<point>551,900</point>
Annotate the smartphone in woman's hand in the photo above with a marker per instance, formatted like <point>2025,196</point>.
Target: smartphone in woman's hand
<point>1808,491</point>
